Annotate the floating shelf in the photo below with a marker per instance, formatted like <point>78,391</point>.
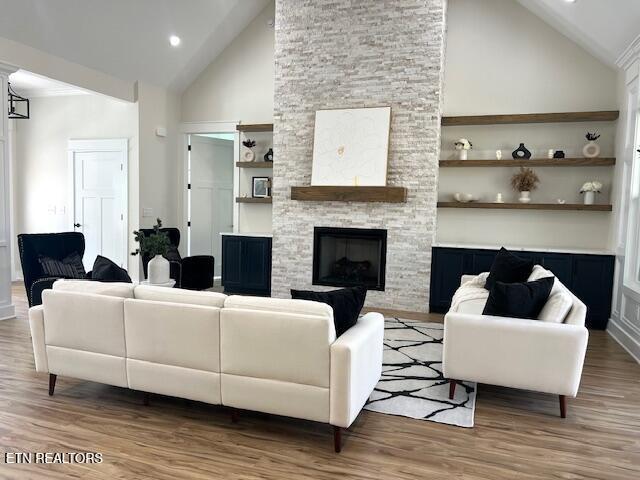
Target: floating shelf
<point>528,206</point>
<point>254,164</point>
<point>253,200</point>
<point>532,162</point>
<point>350,194</point>
<point>255,127</point>
<point>599,116</point>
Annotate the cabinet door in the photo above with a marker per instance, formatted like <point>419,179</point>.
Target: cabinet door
<point>560,264</point>
<point>593,284</point>
<point>446,269</point>
<point>231,261</point>
<point>256,264</point>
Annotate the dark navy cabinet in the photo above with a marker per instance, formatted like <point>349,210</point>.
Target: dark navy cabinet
<point>589,277</point>
<point>246,264</point>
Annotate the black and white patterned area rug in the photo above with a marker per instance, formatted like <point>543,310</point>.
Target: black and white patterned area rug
<point>412,384</point>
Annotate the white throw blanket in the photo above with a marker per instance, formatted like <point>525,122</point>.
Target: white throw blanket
<point>472,289</point>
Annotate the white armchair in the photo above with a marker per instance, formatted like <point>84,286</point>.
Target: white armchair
<point>517,353</point>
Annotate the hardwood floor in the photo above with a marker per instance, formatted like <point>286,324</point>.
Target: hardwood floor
<point>517,435</point>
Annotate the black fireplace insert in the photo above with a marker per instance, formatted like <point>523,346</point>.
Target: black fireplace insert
<point>349,257</point>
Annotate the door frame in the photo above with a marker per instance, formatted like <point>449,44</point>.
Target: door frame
<point>190,128</point>
<point>120,145</point>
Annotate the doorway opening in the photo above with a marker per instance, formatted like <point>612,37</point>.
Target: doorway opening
<point>210,193</point>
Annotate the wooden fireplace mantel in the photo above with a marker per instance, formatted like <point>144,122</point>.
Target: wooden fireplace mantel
<point>349,194</point>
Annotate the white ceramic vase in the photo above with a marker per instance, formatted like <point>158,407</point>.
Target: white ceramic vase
<point>525,197</point>
<point>248,155</point>
<point>158,270</point>
<point>589,198</point>
<point>462,154</point>
<point>591,150</point>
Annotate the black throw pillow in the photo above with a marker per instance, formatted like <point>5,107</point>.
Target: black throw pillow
<point>69,267</point>
<point>346,304</point>
<point>518,300</point>
<point>508,268</point>
<point>104,270</point>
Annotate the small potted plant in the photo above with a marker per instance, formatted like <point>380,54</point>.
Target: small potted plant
<point>249,156</point>
<point>590,189</point>
<point>154,246</point>
<point>525,181</point>
<point>462,146</point>
<point>591,149</point>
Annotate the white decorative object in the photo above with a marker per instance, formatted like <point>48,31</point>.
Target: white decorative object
<point>591,149</point>
<point>550,153</point>
<point>462,145</point>
<point>464,197</point>
<point>498,154</point>
<point>499,198</point>
<point>589,198</point>
<point>248,155</point>
<point>560,201</point>
<point>590,189</point>
<point>525,197</point>
<point>158,270</point>
<point>351,147</point>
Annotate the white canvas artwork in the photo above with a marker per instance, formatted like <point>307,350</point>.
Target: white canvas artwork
<point>351,146</point>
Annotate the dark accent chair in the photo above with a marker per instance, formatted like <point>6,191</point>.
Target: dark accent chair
<point>53,245</point>
<point>191,273</point>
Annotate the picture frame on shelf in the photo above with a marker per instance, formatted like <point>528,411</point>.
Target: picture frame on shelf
<point>261,187</point>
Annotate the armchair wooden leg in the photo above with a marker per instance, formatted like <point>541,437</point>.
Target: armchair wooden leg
<point>337,439</point>
<point>145,398</point>
<point>452,389</point>
<point>52,383</point>
<point>563,406</point>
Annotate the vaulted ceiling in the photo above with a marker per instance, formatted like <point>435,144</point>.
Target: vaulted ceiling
<point>605,28</point>
<point>130,39</point>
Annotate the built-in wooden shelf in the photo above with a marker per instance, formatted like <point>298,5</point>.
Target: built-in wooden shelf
<point>532,162</point>
<point>528,206</point>
<point>350,194</point>
<point>254,164</point>
<point>255,127</point>
<point>599,116</point>
<point>253,200</point>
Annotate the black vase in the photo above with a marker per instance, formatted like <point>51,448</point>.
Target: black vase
<point>558,154</point>
<point>521,152</point>
<point>268,157</point>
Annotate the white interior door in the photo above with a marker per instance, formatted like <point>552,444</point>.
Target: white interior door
<point>211,192</point>
<point>99,169</point>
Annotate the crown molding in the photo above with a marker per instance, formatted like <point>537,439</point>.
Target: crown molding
<point>7,69</point>
<point>630,54</point>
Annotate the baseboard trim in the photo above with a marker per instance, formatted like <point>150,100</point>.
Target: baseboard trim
<point>626,341</point>
<point>7,312</point>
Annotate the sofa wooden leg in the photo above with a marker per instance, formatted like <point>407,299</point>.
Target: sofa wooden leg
<point>234,415</point>
<point>52,383</point>
<point>452,389</point>
<point>337,439</point>
<point>145,398</point>
<point>563,406</point>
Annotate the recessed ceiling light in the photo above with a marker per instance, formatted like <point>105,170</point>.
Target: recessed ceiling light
<point>174,40</point>
<point>570,1</point>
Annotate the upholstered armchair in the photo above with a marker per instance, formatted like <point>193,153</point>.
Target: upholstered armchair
<point>191,273</point>
<point>54,245</point>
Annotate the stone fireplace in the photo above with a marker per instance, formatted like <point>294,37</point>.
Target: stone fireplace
<point>350,55</point>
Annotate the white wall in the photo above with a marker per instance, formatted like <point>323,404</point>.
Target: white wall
<point>160,169</point>
<point>238,84</point>
<point>503,59</point>
<point>40,169</point>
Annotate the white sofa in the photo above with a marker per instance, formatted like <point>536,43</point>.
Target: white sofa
<point>263,354</point>
<point>544,356</point>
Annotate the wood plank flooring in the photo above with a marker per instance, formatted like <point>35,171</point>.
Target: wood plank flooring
<point>517,435</point>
